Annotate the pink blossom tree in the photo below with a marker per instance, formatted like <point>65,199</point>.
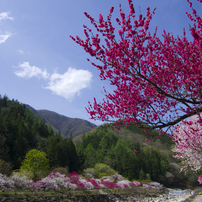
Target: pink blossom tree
<point>155,80</point>
<point>187,137</point>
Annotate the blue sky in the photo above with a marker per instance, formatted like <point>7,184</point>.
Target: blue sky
<point>41,66</point>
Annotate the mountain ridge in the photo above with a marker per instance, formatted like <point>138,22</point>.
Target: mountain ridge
<point>64,124</point>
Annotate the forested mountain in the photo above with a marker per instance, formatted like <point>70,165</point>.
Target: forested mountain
<point>64,124</point>
<point>21,131</point>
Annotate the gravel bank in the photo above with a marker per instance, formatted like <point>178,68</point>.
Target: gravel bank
<point>137,195</point>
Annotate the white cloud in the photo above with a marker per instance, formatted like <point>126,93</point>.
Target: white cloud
<point>4,16</point>
<point>4,37</point>
<point>70,83</point>
<point>27,71</point>
<point>20,51</point>
<point>66,85</point>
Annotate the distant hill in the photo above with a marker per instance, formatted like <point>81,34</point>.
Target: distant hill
<point>64,124</point>
<point>133,133</point>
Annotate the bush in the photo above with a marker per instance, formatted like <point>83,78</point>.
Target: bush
<point>125,178</point>
<point>62,170</point>
<point>148,177</point>
<point>102,175</point>
<point>5,167</point>
<point>22,173</point>
<point>89,172</point>
<point>21,182</point>
<point>103,168</point>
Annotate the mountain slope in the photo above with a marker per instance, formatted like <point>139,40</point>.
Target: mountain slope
<point>64,124</point>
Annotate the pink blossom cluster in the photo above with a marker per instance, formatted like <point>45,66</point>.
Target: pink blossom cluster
<point>151,76</point>
<point>56,181</point>
<point>147,186</point>
<point>127,184</point>
<point>116,176</point>
<point>110,185</point>
<point>187,137</point>
<point>200,179</point>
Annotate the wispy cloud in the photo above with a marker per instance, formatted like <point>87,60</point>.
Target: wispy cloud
<point>28,71</point>
<point>4,37</point>
<point>5,16</point>
<point>70,83</point>
<point>67,85</point>
<point>20,51</point>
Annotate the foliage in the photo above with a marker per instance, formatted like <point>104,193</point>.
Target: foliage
<point>62,170</point>
<point>125,156</point>
<point>23,173</point>
<point>72,156</point>
<point>20,131</point>
<point>153,163</point>
<point>102,175</point>
<point>89,172</point>
<point>36,162</point>
<point>21,182</point>
<point>5,167</point>
<point>103,168</point>
<point>151,76</point>
<point>56,146</point>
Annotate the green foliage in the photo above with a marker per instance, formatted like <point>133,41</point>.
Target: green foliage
<point>56,146</point>
<point>148,176</point>
<point>62,170</point>
<point>103,168</point>
<point>142,175</point>
<point>36,162</point>
<point>20,131</point>
<point>164,139</point>
<point>90,156</point>
<point>127,156</point>
<point>5,167</point>
<point>89,172</point>
<point>102,175</point>
<point>153,163</point>
<point>72,156</point>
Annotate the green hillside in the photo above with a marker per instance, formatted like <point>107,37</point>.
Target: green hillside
<point>128,152</point>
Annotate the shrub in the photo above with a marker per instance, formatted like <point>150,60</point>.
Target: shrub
<point>6,183</point>
<point>22,173</point>
<point>103,168</point>
<point>62,170</point>
<point>102,175</point>
<point>5,167</point>
<point>21,182</point>
<point>89,172</point>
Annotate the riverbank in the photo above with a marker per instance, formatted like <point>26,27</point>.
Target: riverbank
<point>139,194</point>
<point>196,196</point>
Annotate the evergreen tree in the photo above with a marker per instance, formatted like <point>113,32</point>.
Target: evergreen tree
<point>73,163</point>
<point>90,156</point>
